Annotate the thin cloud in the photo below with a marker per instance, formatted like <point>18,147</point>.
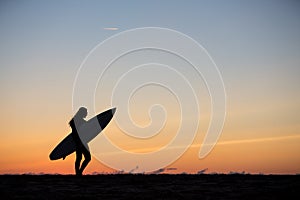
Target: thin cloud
<point>111,28</point>
<point>259,139</point>
<point>228,142</point>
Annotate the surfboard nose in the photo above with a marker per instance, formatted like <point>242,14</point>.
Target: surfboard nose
<point>113,110</point>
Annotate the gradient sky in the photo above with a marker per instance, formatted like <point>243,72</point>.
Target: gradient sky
<point>255,44</point>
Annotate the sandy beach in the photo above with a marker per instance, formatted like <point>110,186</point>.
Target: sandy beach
<point>137,186</point>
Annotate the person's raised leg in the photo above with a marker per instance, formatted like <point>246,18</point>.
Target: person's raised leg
<point>87,159</point>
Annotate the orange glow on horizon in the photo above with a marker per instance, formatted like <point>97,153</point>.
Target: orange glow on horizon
<point>262,155</point>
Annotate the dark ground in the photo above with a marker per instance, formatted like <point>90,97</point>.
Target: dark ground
<point>126,186</point>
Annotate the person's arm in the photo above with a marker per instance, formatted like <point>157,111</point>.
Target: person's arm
<point>72,124</point>
<point>74,132</point>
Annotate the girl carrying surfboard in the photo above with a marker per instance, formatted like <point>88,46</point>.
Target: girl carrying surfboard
<point>75,123</point>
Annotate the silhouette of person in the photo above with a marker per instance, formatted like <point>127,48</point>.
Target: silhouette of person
<point>75,123</point>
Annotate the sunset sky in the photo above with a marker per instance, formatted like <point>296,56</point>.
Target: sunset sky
<point>255,44</point>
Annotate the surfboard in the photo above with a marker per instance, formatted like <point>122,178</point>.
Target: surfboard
<point>86,132</point>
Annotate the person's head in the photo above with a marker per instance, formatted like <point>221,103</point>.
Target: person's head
<point>82,112</point>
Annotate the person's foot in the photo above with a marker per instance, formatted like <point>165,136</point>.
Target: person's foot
<point>78,173</point>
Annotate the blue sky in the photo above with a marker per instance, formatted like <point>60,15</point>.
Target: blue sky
<point>243,37</point>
